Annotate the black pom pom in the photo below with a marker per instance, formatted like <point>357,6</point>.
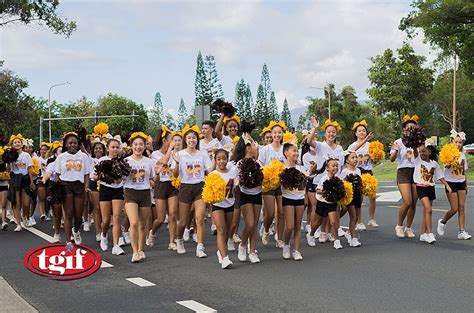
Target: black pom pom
<point>333,189</point>
<point>109,171</point>
<point>247,126</point>
<point>414,136</point>
<point>356,182</point>
<point>291,178</point>
<point>3,167</point>
<point>224,107</point>
<point>10,155</point>
<point>251,174</point>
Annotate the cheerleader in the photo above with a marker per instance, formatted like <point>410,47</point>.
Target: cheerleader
<point>41,188</point>
<point>456,178</point>
<point>73,169</point>
<point>166,195</point>
<point>427,171</point>
<point>266,135</point>
<point>4,176</point>
<point>98,151</point>
<point>249,179</point>
<point>137,193</point>
<point>272,198</point>
<point>191,166</point>
<point>21,181</point>
<point>33,193</point>
<point>406,185</point>
<point>309,160</point>
<point>231,127</point>
<point>364,163</point>
<point>110,202</point>
<point>223,211</point>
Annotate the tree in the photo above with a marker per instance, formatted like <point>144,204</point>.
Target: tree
<point>170,122</point>
<point>273,108</point>
<point>202,89</point>
<point>213,79</point>
<point>182,114</point>
<point>157,115</point>
<point>248,105</point>
<point>448,25</point>
<point>42,12</point>
<point>240,98</point>
<point>265,82</point>
<point>261,113</point>
<point>399,84</point>
<point>286,115</point>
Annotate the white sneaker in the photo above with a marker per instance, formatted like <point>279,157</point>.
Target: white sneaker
<point>308,228</point>
<point>195,237</point>
<point>151,239</point>
<point>136,258</point>
<point>172,246</point>
<point>409,233</point>
<point>180,246</point>
<point>87,226</point>
<point>104,242</point>
<point>348,236</point>
<point>219,256</point>
<point>18,228</point>
<point>279,244</point>
<point>262,229</point>
<point>10,215</point>
<point>431,238</point>
<point>186,235</point>
<point>26,222</point>
<point>323,237</point>
<point>226,262</point>
<point>200,251</point>
<point>4,226</point>
<point>116,250</point>
<point>253,257</point>
<point>236,238</point>
<point>77,236</point>
<point>297,256</point>
<point>121,242</point>
<point>340,232</point>
<point>242,253</point>
<point>360,226</point>
<point>286,252</point>
<point>317,233</point>
<point>142,255</point>
<point>372,223</point>
<point>147,241</point>
<point>32,221</point>
<point>97,237</point>
<point>464,235</point>
<point>424,237</point>
<point>441,227</point>
<point>271,231</point>
<point>265,237</point>
<point>166,219</point>
<point>310,240</point>
<point>355,242</point>
<point>230,245</point>
<point>56,238</point>
<point>337,244</point>
<point>47,218</point>
<point>331,237</point>
<point>126,237</point>
<point>213,229</point>
<point>399,231</point>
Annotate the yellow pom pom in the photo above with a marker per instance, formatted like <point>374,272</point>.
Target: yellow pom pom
<point>2,151</point>
<point>370,185</point>
<point>289,137</point>
<point>214,188</point>
<point>449,155</point>
<point>271,175</point>
<point>349,194</point>
<point>376,150</point>
<point>175,181</point>
<point>101,129</point>
<point>5,175</point>
<point>35,169</point>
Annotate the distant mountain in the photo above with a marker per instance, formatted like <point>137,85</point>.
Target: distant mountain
<point>296,113</point>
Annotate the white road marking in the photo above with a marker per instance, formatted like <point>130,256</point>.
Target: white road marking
<point>140,282</point>
<point>389,196</point>
<point>49,239</point>
<point>195,306</point>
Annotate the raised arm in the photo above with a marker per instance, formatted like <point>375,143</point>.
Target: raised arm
<point>310,138</point>
<point>219,126</point>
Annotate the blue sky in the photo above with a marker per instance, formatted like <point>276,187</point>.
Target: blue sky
<point>136,48</point>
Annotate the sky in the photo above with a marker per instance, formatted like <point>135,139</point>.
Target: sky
<point>136,48</point>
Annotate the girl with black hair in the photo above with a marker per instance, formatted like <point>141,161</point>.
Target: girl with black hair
<point>73,168</point>
<point>98,151</point>
<point>231,127</point>
<point>40,187</point>
<point>166,196</point>
<point>28,213</point>
<point>309,159</point>
<point>427,171</point>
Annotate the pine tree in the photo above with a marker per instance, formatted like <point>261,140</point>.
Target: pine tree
<point>249,105</point>
<point>213,79</point>
<point>157,116</point>
<point>170,122</point>
<point>286,114</point>
<point>240,97</point>
<point>182,114</point>
<point>265,82</point>
<point>261,113</point>
<point>202,90</point>
<point>273,108</point>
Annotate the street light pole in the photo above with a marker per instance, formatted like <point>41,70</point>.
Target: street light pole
<point>328,89</point>
<point>49,105</point>
<point>454,94</point>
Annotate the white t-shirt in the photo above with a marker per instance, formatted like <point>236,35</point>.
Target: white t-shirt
<point>42,163</point>
<point>427,173</point>
<point>309,159</point>
<point>294,194</point>
<point>320,187</point>
<point>405,156</point>
<point>229,178</point>
<point>167,169</point>
<point>141,173</point>
<point>324,151</point>
<point>50,168</point>
<point>114,185</point>
<point>72,167</point>
<point>20,166</point>
<point>192,167</point>
<point>268,154</point>
<point>214,144</point>
<point>363,156</point>
<point>458,173</point>
<point>94,162</point>
<point>346,172</point>
<point>248,191</point>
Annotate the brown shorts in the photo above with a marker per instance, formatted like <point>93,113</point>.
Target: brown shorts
<point>140,197</point>
<point>188,193</point>
<point>76,188</point>
<point>275,192</point>
<point>164,190</point>
<point>405,175</point>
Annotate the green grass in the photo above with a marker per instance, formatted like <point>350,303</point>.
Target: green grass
<point>387,171</point>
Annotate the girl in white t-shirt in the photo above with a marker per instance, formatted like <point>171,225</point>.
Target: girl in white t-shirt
<point>231,126</point>
<point>427,172</point>
<point>97,152</point>
<point>309,160</point>
<point>191,166</point>
<point>41,188</point>
<point>456,178</point>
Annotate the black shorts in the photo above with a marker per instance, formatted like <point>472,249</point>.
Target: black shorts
<point>310,187</point>
<point>356,200</point>
<point>292,202</point>
<point>253,199</point>
<point>4,188</point>
<point>275,192</point>
<point>405,175</point>
<point>188,193</point>
<point>164,190</point>
<point>109,193</point>
<point>76,188</point>
<point>93,185</point>
<point>428,191</point>
<point>141,197</point>
<point>226,210</point>
<point>323,208</point>
<point>455,187</point>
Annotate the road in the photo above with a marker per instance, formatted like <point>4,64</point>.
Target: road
<point>386,274</point>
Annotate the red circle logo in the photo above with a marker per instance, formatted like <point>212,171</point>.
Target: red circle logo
<point>56,261</point>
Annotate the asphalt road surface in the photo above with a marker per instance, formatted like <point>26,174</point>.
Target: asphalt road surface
<point>386,274</point>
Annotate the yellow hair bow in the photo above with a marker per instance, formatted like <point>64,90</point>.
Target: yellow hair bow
<point>47,144</point>
<point>194,128</point>
<point>70,133</point>
<point>138,134</point>
<point>233,118</point>
<point>164,131</point>
<point>361,123</point>
<point>413,118</point>
<point>55,145</point>
<point>175,133</point>
<point>274,124</point>
<point>265,130</point>
<point>13,137</point>
<point>333,123</point>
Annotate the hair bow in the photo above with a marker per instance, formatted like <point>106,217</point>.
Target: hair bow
<point>335,124</point>
<point>408,118</point>
<point>361,123</point>
<point>13,137</point>
<point>304,132</point>
<point>274,124</point>
<point>28,142</point>
<point>69,134</point>
<point>429,142</point>
<point>164,131</point>
<point>194,128</point>
<point>47,144</point>
<point>264,131</point>
<point>455,134</point>
<point>138,134</point>
<point>55,145</point>
<point>247,138</point>
<point>176,133</point>
<point>347,152</point>
<point>117,137</point>
<point>233,118</point>
<point>108,136</point>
